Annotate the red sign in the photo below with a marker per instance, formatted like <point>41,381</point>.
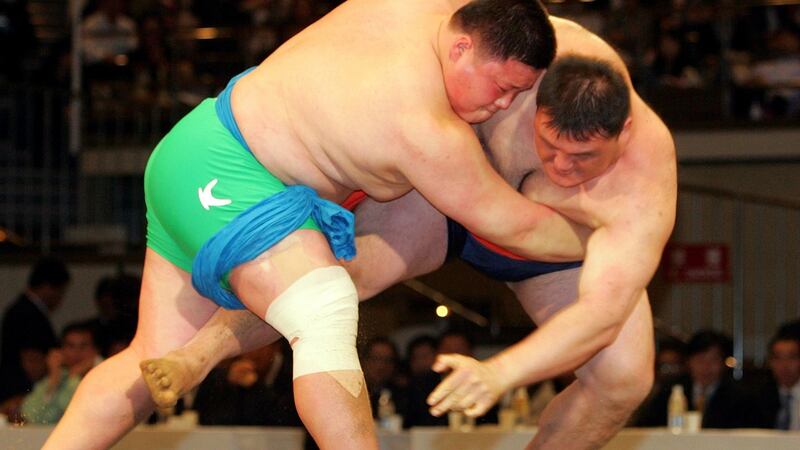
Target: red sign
<point>696,263</point>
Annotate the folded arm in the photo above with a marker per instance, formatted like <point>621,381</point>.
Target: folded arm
<point>453,174</point>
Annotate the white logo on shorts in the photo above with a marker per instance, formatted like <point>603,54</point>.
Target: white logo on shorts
<point>207,199</point>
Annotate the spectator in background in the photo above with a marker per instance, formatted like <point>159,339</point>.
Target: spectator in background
<point>629,29</point>
<point>421,353</point>
<point>27,333</point>
<point>780,398</point>
<point>66,366</point>
<point>417,411</point>
<point>670,360</point>
<point>708,387</point>
<point>116,299</point>
<point>379,363</point>
<point>108,41</point>
<point>16,38</point>
<point>252,389</point>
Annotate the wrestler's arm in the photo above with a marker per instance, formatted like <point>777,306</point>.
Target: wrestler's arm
<point>448,167</point>
<point>615,273</point>
<point>621,258</point>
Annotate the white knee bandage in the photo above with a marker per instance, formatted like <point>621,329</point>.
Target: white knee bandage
<point>318,315</point>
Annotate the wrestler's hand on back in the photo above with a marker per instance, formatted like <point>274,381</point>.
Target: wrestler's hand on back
<point>471,386</point>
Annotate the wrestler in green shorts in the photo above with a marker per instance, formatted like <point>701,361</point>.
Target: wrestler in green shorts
<point>197,180</point>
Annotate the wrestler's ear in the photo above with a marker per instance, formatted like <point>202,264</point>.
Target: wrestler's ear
<point>626,129</point>
<point>461,45</point>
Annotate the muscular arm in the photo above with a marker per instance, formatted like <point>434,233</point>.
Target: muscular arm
<point>453,174</point>
<point>622,256</point>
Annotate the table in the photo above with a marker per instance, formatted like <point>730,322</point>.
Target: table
<point>492,438</point>
<point>173,438</point>
<point>432,438</point>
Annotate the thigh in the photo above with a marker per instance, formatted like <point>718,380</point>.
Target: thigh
<point>543,296</point>
<point>260,281</point>
<point>396,241</point>
<point>627,363</point>
<point>170,310</point>
<point>632,352</point>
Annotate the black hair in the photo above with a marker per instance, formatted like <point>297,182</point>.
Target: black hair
<point>80,327</point>
<point>419,341</point>
<point>377,341</point>
<point>48,270</point>
<point>457,332</point>
<point>787,332</point>
<point>705,340</point>
<point>510,29</point>
<point>584,97</point>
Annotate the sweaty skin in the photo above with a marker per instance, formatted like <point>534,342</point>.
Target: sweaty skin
<point>606,331</point>
<point>377,95</point>
<point>600,324</point>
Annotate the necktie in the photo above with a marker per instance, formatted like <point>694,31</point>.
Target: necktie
<point>784,417</point>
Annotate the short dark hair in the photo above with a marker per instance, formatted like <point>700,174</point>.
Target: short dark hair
<point>787,332</point>
<point>458,333</point>
<point>420,341</point>
<point>510,29</point>
<point>584,97</point>
<point>379,340</point>
<point>705,340</point>
<point>48,270</point>
<point>79,327</point>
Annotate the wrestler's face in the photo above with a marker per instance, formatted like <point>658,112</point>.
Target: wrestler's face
<point>478,86</point>
<point>568,162</point>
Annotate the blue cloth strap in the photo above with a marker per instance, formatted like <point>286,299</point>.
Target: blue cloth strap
<point>262,226</point>
<point>225,113</point>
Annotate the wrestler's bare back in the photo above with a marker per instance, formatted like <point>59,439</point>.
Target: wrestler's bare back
<point>331,108</point>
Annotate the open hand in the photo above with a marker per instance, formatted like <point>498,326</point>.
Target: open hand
<point>472,386</point>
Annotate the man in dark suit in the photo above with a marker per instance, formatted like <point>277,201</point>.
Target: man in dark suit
<point>708,387</point>
<point>779,398</point>
<point>27,333</point>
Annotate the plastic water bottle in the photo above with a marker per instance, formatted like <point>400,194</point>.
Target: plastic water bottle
<point>676,409</point>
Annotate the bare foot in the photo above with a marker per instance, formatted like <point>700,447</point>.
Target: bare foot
<point>169,378</point>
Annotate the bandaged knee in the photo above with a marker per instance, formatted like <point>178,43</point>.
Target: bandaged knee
<point>318,315</point>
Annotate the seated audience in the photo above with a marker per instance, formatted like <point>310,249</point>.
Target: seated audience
<point>66,366</point>
<point>116,299</point>
<point>708,386</point>
<point>28,334</point>
<point>780,398</point>
<point>379,363</point>
<point>420,354</point>
<point>252,389</point>
<point>417,411</point>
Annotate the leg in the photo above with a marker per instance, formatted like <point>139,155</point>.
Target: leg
<point>608,388</point>
<point>313,315</point>
<point>227,334</point>
<point>406,238</point>
<point>113,398</point>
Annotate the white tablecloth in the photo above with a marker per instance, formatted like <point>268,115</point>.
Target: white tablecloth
<point>165,438</point>
<point>491,438</point>
<point>483,438</point>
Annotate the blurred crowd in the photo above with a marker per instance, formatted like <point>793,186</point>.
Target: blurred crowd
<point>715,57</point>
<point>40,369</point>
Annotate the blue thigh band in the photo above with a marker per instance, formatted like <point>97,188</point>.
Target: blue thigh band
<point>262,226</point>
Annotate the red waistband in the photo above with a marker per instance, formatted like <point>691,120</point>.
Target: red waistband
<point>353,200</point>
<point>497,249</point>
